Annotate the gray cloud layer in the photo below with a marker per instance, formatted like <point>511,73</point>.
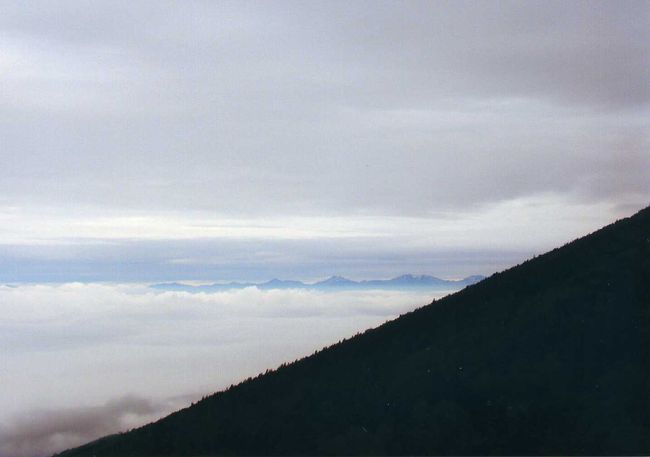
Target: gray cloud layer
<point>68,348</point>
<point>336,107</point>
<point>45,431</point>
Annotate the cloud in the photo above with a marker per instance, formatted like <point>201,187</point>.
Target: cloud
<point>71,352</point>
<point>344,108</point>
<point>44,431</point>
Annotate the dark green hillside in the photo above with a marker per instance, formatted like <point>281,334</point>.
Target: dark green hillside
<point>549,357</point>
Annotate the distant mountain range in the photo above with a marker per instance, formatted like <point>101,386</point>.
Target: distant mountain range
<point>333,283</point>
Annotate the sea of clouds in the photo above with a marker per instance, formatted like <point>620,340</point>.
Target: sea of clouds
<point>78,361</point>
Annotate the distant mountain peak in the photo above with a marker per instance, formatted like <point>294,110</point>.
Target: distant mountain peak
<point>416,277</point>
<point>336,280</point>
<point>333,283</point>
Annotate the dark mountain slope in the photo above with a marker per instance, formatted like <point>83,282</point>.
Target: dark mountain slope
<point>549,357</point>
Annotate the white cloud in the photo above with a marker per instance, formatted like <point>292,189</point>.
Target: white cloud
<point>44,431</point>
<point>451,229</point>
<point>70,350</point>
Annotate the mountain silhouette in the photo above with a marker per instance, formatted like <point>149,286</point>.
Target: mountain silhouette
<point>333,284</point>
<point>548,357</point>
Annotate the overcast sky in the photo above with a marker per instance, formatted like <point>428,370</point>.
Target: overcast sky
<point>247,140</point>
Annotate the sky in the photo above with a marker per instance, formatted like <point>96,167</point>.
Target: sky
<point>152,140</point>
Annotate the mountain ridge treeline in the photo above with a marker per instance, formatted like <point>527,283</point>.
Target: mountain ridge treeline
<point>548,357</point>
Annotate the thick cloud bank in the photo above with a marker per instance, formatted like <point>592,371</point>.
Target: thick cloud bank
<point>84,360</point>
<point>41,431</point>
